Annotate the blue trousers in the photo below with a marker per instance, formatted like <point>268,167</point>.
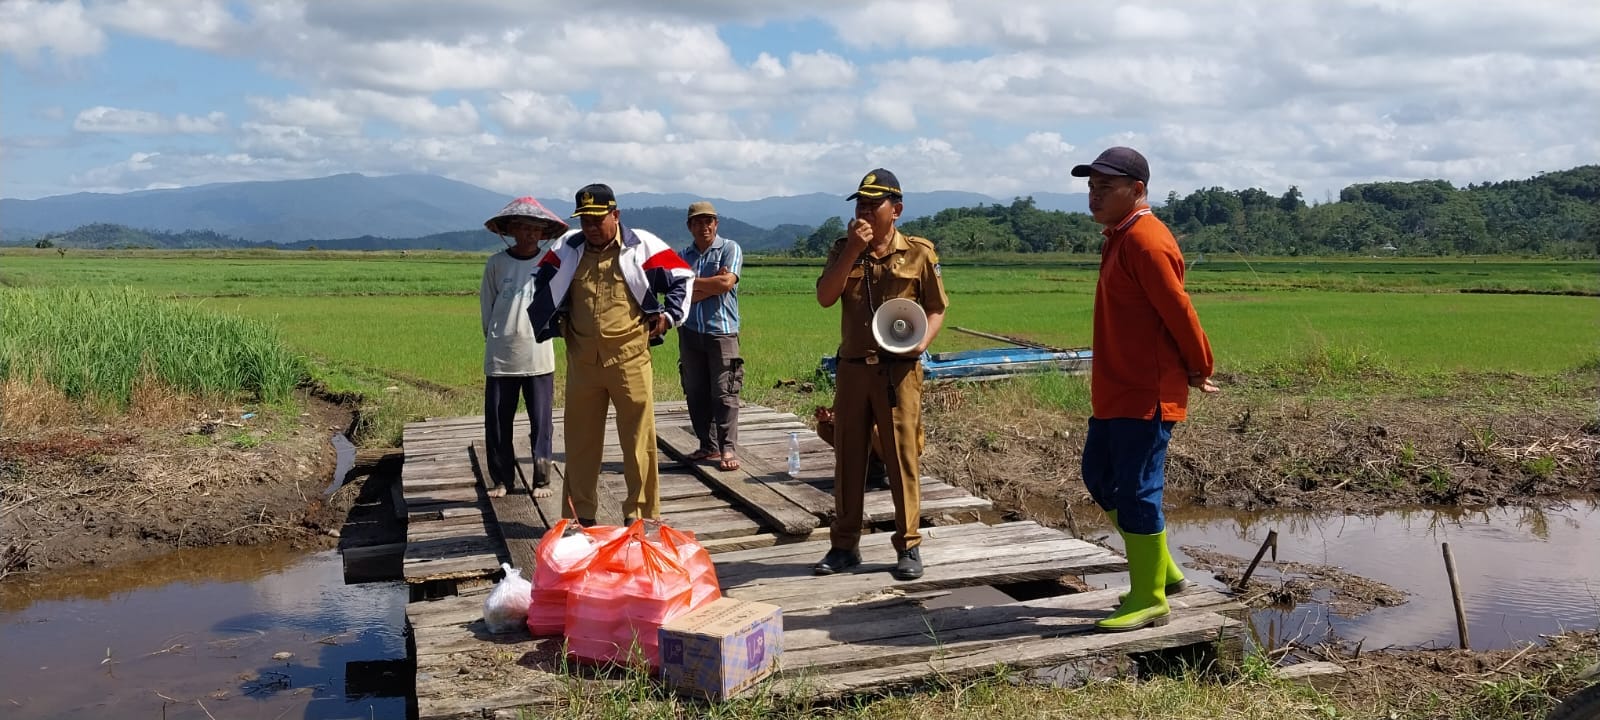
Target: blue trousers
<point>1123,467</point>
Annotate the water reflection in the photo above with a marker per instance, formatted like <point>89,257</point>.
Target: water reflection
<point>1524,571</point>
<point>223,632</point>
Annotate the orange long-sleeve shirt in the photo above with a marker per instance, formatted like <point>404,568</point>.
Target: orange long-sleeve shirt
<point>1147,337</point>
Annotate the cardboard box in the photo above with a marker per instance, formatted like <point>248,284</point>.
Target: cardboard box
<point>721,649</point>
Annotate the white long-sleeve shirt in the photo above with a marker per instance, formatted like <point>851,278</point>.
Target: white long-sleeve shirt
<point>509,347</point>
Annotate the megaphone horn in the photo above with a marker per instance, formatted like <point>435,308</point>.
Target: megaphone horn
<point>899,325</point>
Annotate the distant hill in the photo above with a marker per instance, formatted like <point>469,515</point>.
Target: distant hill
<point>352,207</point>
<point>281,211</point>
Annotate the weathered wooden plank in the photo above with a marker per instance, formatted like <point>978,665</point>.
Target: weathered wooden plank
<point>745,577</point>
<point>441,512</point>
<point>716,523</point>
<point>440,530</point>
<point>962,659</point>
<point>889,622</point>
<point>966,534</point>
<point>457,496</point>
<point>446,611</point>
<point>673,508</point>
<point>447,547</point>
<point>781,513</point>
<point>467,566</point>
<point>460,479</point>
<point>749,565</point>
<point>760,540</point>
<point>774,474</point>
<point>520,526</point>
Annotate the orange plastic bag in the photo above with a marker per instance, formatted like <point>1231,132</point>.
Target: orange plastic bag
<point>563,555</point>
<point>632,587</point>
<point>695,559</point>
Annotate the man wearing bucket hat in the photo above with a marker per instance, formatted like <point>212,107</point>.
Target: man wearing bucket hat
<point>1149,350</point>
<point>708,343</point>
<point>872,264</point>
<point>514,363</point>
<point>611,292</point>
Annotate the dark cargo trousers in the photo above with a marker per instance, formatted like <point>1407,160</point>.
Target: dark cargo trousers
<point>713,374</point>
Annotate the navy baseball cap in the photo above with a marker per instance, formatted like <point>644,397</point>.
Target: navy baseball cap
<point>596,199</point>
<point>1117,161</point>
<point>876,184</point>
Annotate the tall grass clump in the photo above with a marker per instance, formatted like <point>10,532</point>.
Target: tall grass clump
<point>98,344</point>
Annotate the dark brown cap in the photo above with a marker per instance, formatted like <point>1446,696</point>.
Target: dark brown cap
<point>1117,161</point>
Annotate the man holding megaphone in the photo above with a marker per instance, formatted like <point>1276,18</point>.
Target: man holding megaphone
<point>893,306</point>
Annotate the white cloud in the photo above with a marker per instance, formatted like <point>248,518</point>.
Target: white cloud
<point>415,113</point>
<point>894,113</point>
<point>212,122</point>
<point>29,27</point>
<point>315,114</point>
<point>529,112</point>
<point>203,24</point>
<point>956,94</point>
<point>103,119</point>
<point>628,125</point>
<point>821,70</point>
<point>706,126</point>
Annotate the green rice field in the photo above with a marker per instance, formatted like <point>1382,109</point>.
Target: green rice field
<point>380,320</point>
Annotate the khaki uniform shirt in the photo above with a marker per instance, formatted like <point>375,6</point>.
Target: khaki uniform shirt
<point>606,326</point>
<point>910,269</point>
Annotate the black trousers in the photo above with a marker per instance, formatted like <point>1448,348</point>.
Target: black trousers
<point>501,394</point>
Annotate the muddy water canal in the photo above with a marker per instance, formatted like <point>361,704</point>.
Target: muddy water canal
<point>1380,579</point>
<point>212,633</point>
<point>271,633</point>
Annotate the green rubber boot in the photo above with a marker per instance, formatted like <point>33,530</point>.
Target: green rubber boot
<point>1176,584</point>
<point>1146,602</point>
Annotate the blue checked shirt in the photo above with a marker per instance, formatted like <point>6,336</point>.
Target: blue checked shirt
<point>718,314</point>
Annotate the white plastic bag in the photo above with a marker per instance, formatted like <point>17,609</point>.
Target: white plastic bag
<point>506,608</point>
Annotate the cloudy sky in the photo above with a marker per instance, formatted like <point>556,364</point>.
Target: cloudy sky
<point>743,99</point>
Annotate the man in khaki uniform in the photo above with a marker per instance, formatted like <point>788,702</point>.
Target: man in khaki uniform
<point>611,292</point>
<point>871,264</point>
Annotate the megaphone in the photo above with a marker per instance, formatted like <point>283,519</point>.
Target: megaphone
<point>899,325</point>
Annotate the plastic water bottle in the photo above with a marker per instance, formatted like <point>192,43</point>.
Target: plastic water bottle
<point>794,454</point>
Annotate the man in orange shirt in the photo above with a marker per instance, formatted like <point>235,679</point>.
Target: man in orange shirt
<point>1149,349</point>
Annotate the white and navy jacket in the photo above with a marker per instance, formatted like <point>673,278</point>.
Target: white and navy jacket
<point>649,267</point>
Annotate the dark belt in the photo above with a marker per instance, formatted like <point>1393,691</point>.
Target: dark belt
<point>879,360</point>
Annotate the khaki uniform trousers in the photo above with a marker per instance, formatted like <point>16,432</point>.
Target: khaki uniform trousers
<point>630,386</point>
<point>862,401</point>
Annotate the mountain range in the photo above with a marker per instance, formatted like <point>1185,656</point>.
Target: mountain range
<point>411,208</point>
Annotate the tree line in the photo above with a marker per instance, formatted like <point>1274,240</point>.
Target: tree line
<point>1554,214</point>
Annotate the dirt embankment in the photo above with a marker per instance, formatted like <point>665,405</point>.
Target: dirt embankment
<point>1236,451</point>
<point>72,495</point>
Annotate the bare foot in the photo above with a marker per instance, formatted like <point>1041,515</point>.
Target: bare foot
<point>730,462</point>
<point>497,491</point>
<point>701,454</point>
<point>541,492</point>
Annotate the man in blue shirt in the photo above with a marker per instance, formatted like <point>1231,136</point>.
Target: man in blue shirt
<point>708,342</point>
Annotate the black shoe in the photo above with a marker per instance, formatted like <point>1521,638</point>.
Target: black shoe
<point>877,475</point>
<point>910,565</point>
<point>836,561</point>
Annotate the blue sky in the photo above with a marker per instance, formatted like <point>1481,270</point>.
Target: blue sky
<point>743,100</point>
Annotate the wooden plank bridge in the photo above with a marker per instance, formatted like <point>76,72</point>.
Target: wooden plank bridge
<point>843,634</point>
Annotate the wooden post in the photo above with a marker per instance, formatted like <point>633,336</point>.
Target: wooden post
<point>1455,594</point>
<point>1272,542</point>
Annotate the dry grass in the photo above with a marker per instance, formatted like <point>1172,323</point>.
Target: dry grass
<point>28,406</point>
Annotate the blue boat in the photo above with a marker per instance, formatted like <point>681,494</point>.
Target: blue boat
<point>994,363</point>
